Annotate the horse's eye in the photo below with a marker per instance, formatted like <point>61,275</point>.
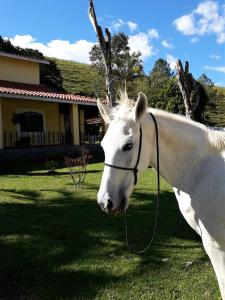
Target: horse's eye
<point>127,147</point>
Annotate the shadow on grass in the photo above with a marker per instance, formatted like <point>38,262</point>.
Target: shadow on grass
<point>60,249</point>
<point>61,173</point>
<point>22,195</point>
<point>26,168</point>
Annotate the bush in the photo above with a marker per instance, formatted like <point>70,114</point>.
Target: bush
<point>51,165</point>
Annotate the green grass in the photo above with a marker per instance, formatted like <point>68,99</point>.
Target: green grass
<point>79,78</point>
<point>56,243</point>
<point>221,90</point>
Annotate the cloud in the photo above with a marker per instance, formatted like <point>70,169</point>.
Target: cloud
<point>79,50</point>
<point>207,18</point>
<point>132,26</point>
<point>153,33</point>
<point>215,56</point>
<point>141,43</point>
<point>167,45</point>
<point>207,9</point>
<point>194,40</point>
<point>62,49</point>
<point>185,24</point>
<point>116,25</point>
<point>171,61</point>
<point>216,69</point>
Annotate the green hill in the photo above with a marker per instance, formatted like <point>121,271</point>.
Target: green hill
<point>215,112</point>
<point>79,78</point>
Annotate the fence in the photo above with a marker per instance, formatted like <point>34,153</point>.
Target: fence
<point>13,139</point>
<point>87,138</point>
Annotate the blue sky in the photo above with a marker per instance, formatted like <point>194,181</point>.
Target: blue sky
<point>189,30</point>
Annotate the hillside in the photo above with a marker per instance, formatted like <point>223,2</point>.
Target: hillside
<point>80,78</point>
<point>222,90</point>
<point>215,112</point>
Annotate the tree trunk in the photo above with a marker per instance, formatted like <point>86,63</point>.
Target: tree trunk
<point>105,47</point>
<point>189,88</point>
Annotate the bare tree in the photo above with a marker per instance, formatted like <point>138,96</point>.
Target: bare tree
<point>105,47</point>
<point>193,93</point>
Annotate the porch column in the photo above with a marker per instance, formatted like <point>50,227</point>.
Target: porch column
<point>75,124</point>
<point>1,133</point>
<point>82,126</point>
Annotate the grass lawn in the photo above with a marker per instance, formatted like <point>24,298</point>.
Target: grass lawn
<point>56,243</point>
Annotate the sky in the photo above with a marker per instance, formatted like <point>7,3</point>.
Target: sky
<point>189,30</point>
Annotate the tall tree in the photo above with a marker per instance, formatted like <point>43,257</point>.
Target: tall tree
<point>138,84</point>
<point>163,90</point>
<point>215,108</point>
<point>160,72</point>
<point>125,65</point>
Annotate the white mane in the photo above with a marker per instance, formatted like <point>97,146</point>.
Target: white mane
<point>216,137</point>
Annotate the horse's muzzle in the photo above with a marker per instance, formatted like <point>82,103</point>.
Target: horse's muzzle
<point>108,206</point>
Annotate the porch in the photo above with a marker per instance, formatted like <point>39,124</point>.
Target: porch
<point>42,121</point>
<point>26,139</point>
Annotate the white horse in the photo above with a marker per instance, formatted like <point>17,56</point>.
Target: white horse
<point>192,160</point>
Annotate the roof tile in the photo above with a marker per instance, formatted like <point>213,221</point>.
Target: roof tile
<point>25,89</point>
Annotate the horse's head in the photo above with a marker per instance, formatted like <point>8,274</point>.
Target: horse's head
<point>121,145</point>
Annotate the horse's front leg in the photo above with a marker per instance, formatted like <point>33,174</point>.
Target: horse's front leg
<point>216,253</point>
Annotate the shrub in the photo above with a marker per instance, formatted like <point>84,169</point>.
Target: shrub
<point>51,165</point>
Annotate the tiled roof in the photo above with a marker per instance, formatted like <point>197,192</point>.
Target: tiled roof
<point>23,89</point>
<point>23,57</point>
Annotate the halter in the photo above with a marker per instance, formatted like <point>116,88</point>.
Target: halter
<point>135,171</point>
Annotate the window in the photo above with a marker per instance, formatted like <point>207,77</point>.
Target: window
<point>31,122</point>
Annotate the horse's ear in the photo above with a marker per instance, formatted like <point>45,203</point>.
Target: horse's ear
<point>140,107</point>
<point>104,111</point>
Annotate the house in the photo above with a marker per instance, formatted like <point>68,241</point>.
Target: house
<point>32,114</point>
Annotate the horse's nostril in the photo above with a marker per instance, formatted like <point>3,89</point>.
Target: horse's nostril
<point>109,205</point>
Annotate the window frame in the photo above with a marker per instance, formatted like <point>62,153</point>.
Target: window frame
<point>24,110</point>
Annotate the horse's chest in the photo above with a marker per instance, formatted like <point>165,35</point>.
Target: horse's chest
<point>185,205</point>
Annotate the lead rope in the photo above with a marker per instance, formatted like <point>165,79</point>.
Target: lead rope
<point>157,199</point>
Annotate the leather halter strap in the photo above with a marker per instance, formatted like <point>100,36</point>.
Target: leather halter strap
<point>135,169</point>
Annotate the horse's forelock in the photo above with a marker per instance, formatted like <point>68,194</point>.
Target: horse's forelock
<point>121,111</point>
<point>123,107</point>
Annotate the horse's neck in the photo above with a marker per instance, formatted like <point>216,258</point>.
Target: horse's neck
<point>183,145</point>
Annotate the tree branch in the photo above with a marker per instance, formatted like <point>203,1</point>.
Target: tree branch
<point>191,92</point>
<point>182,78</point>
<point>105,47</point>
